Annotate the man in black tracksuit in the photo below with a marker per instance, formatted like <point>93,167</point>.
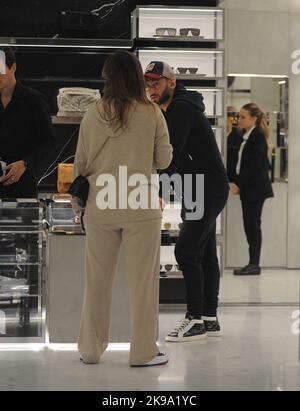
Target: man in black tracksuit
<point>195,151</point>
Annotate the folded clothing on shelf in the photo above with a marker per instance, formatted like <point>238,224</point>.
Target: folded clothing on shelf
<point>75,101</point>
<point>13,285</point>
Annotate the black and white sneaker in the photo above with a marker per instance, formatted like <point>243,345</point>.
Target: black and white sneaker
<point>212,326</point>
<point>160,359</point>
<point>190,329</point>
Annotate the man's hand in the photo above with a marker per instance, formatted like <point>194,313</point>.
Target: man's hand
<point>235,190</point>
<point>14,172</point>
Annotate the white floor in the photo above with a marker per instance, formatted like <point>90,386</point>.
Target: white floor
<point>272,286</point>
<point>258,351</point>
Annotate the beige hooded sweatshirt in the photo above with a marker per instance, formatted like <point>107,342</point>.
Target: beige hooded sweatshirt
<point>143,147</point>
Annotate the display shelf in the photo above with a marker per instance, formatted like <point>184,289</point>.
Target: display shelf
<point>169,268</point>
<point>209,63</point>
<point>199,65</point>
<point>172,23</point>
<point>66,120</point>
<point>66,43</point>
<point>214,100</point>
<point>171,220</point>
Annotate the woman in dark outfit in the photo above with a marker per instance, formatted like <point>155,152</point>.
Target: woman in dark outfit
<point>252,180</point>
<point>25,132</point>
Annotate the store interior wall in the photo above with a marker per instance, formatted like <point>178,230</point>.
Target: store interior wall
<point>260,39</point>
<point>266,93</point>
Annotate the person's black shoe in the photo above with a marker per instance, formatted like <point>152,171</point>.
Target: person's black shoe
<point>238,270</point>
<point>248,270</point>
<point>212,326</point>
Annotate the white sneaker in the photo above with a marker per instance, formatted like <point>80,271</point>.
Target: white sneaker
<point>160,359</point>
<point>190,329</point>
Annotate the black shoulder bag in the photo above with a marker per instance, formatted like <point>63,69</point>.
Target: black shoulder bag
<point>80,186</point>
<point>80,189</point>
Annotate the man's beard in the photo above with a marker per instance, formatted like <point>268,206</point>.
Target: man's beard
<point>166,95</point>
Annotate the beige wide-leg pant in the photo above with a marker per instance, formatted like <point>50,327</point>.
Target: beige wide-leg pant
<point>142,248</point>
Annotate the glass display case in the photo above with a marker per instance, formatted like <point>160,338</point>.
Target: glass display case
<point>188,64</point>
<point>213,100</point>
<point>178,23</point>
<point>61,218</point>
<point>21,265</point>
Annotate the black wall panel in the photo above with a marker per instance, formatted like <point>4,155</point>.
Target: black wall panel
<point>44,18</point>
<point>49,69</point>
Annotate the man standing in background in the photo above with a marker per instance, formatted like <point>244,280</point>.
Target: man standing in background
<point>25,131</point>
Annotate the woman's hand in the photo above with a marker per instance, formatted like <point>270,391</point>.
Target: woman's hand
<point>234,190</point>
<point>162,203</point>
<point>77,219</point>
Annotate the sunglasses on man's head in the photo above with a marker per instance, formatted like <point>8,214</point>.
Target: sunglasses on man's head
<point>187,70</point>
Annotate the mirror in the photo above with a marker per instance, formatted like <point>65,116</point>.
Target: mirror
<point>275,284</point>
<point>272,96</point>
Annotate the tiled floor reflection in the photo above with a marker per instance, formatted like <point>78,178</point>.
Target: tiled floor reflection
<point>272,286</point>
<point>258,351</point>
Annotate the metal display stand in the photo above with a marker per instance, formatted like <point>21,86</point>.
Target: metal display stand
<point>65,261</point>
<point>21,268</point>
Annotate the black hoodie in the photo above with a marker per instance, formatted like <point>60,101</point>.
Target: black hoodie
<point>193,140</point>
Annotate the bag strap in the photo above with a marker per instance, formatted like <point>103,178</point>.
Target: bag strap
<point>101,147</point>
<point>98,152</point>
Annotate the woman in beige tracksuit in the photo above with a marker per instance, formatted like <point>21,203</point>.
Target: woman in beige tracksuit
<point>122,129</point>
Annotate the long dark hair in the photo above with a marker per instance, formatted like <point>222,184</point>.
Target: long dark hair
<point>124,85</point>
<point>262,121</point>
